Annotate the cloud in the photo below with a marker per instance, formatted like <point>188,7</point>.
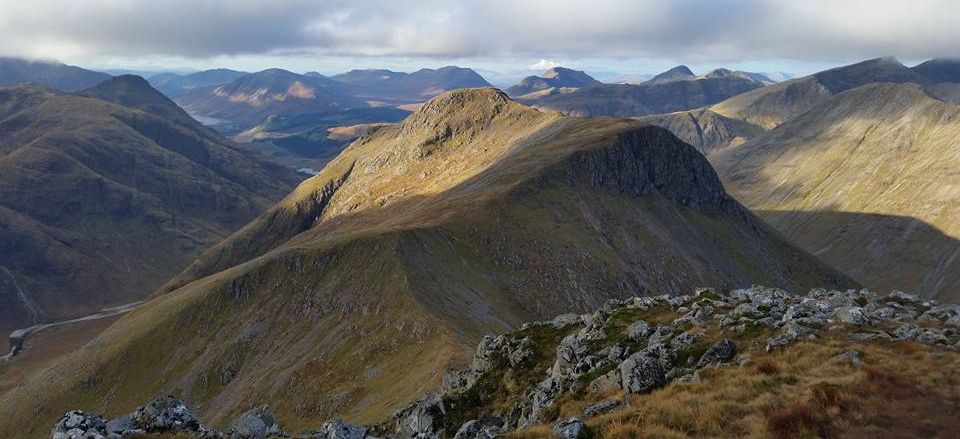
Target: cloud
<point>693,30</point>
<point>543,64</point>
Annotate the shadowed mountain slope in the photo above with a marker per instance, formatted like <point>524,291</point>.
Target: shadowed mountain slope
<point>51,74</point>
<point>873,152</point>
<point>105,199</point>
<point>474,213</point>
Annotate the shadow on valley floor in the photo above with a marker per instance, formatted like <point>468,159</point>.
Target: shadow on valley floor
<point>882,252</point>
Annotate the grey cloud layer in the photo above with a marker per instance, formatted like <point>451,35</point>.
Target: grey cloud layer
<point>709,30</point>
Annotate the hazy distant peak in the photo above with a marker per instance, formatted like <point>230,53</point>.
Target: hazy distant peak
<point>556,77</point>
<point>678,73</point>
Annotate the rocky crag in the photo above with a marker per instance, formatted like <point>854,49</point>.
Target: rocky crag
<point>568,376</point>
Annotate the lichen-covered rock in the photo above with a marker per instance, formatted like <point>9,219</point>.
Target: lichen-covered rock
<point>421,417</point>
<point>541,397</point>
<point>123,427</point>
<point>484,428</point>
<point>572,428</point>
<point>683,341</point>
<point>788,334</point>
<point>339,429</point>
<point>660,335</point>
<point>519,352</point>
<point>78,424</point>
<point>853,315</point>
<point>569,353</point>
<point>258,423</point>
<point>641,373</point>
<point>639,331</point>
<point>721,352</point>
<point>608,382</point>
<point>487,351</point>
<point>602,407</point>
<point>166,414</point>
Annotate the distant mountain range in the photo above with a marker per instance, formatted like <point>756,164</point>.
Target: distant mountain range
<point>378,84</point>
<point>851,157</point>
<point>253,97</point>
<point>675,90</point>
<point>52,74</point>
<point>175,85</point>
<point>557,77</point>
<point>110,191</point>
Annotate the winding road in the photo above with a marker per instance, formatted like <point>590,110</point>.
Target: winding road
<point>19,336</point>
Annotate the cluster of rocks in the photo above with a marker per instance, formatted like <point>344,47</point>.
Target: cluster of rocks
<point>167,414</point>
<point>599,353</point>
<point>651,356</point>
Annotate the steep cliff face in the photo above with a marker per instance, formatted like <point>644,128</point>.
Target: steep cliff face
<point>474,214</point>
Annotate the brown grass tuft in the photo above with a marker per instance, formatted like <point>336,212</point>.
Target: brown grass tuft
<point>767,366</point>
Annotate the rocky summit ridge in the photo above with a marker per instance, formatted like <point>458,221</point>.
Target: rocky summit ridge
<point>602,363</point>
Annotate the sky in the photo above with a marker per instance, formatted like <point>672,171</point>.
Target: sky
<point>499,38</point>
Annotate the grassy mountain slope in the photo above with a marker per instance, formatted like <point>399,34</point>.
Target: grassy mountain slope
<point>875,167</point>
<point>102,202</point>
<point>353,294</point>
<point>52,74</point>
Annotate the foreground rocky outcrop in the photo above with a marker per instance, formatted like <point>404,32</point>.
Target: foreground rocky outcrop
<point>628,347</point>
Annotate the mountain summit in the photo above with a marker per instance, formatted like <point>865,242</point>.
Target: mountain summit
<point>678,73</point>
<point>557,77</point>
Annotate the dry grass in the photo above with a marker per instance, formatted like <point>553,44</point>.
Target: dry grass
<point>906,390</point>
